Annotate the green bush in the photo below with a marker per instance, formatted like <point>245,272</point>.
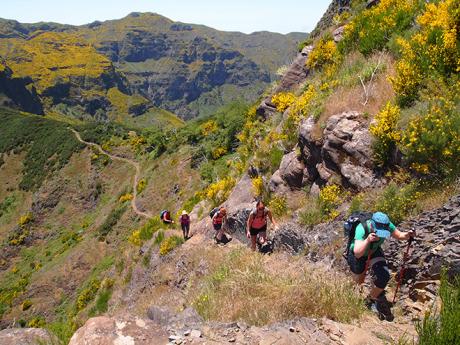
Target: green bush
<point>372,29</point>
<point>160,238</point>
<point>48,144</point>
<point>111,220</point>
<point>398,201</point>
<point>441,327</point>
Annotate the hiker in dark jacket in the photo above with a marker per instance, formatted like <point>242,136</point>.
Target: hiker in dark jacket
<point>257,224</point>
<point>367,249</point>
<point>185,224</point>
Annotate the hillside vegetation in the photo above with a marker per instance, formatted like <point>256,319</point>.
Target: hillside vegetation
<point>74,248</point>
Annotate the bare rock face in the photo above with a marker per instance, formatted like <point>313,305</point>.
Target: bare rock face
<point>436,245</point>
<point>25,336</point>
<point>344,152</point>
<point>123,330</point>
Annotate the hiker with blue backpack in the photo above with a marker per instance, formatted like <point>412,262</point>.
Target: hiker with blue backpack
<point>165,216</point>
<point>366,233</point>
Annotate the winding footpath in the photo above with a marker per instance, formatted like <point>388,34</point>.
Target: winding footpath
<point>126,160</point>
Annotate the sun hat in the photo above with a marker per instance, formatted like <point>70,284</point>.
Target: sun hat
<point>184,212</point>
<point>380,221</point>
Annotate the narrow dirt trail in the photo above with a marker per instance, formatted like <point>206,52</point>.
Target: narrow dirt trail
<point>122,159</point>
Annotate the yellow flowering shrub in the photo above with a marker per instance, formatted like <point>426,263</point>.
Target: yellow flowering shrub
<point>324,53</point>
<point>258,185</point>
<point>141,186</point>
<point>330,197</point>
<point>87,295</point>
<point>219,152</point>
<point>125,197</point>
<point>278,205</point>
<point>25,219</point>
<point>431,141</point>
<point>372,29</point>
<point>283,100</point>
<point>219,191</point>
<point>398,201</point>
<point>386,134</point>
<point>170,243</point>
<point>434,50</point>
<point>208,127</point>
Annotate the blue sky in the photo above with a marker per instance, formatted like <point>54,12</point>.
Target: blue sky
<point>231,15</point>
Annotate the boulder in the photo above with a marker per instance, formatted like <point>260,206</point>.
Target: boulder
<point>292,170</point>
<point>121,330</point>
<point>337,34</point>
<point>25,336</point>
<point>277,185</point>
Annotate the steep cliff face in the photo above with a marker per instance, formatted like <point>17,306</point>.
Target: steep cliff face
<point>18,92</point>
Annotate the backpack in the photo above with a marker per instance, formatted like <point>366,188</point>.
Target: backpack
<point>350,225</point>
<point>162,213</point>
<point>213,212</point>
<point>254,212</point>
<point>267,247</point>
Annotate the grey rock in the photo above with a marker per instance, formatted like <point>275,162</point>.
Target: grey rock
<point>436,245</point>
<point>344,153</point>
<point>195,333</point>
<point>337,34</point>
<point>25,336</point>
<point>292,170</point>
<point>358,176</point>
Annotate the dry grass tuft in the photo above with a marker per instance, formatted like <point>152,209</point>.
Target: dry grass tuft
<point>257,290</point>
<point>349,96</point>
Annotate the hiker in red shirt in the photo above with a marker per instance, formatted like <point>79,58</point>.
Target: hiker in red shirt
<point>257,224</point>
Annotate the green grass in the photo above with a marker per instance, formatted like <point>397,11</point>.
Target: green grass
<point>48,143</point>
<point>441,327</point>
<point>111,220</point>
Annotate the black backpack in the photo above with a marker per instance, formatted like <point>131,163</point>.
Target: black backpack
<point>213,212</point>
<point>349,227</point>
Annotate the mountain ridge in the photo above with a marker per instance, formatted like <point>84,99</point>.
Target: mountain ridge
<point>171,64</point>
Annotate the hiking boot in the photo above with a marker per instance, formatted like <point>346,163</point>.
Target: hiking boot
<point>384,308</point>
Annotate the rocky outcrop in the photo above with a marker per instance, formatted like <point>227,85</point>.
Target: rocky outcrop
<point>296,74</point>
<point>290,175</point>
<point>344,152</point>
<point>25,336</point>
<point>326,21</point>
<point>437,245</point>
<point>122,330</point>
<point>133,331</point>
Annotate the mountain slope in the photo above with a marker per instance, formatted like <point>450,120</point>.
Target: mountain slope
<point>170,64</point>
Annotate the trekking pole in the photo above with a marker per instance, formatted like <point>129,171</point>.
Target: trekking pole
<point>366,267</point>
<point>403,268</point>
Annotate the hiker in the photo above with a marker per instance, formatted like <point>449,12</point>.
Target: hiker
<point>185,224</point>
<point>165,216</point>
<point>365,252</point>
<point>219,222</point>
<point>257,224</point>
